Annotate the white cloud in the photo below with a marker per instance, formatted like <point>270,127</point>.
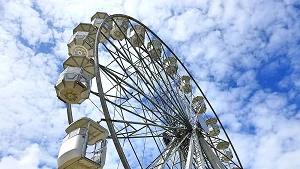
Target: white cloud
<point>229,47</point>
<point>32,157</point>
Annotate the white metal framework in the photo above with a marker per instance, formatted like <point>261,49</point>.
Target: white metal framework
<point>156,114</point>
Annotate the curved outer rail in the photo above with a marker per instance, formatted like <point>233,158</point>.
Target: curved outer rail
<point>103,102</point>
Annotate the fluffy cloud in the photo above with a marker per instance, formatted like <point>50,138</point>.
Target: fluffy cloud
<point>243,54</point>
<point>32,157</point>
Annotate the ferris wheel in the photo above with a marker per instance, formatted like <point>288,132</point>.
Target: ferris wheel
<point>154,111</point>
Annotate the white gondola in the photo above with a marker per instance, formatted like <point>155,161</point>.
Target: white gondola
<point>202,109</point>
<point>137,35</point>
<point>84,62</point>
<point>221,145</point>
<point>213,128</point>
<point>185,84</point>
<point>73,85</point>
<point>170,65</point>
<point>199,105</point>
<point>119,28</point>
<point>80,134</point>
<point>81,43</point>
<point>97,19</point>
<point>154,48</point>
<point>227,155</point>
<point>211,121</point>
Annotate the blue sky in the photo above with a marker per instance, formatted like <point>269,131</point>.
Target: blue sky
<point>245,55</point>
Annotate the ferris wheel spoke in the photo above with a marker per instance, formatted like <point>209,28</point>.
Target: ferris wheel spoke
<point>123,107</point>
<point>156,141</point>
<point>156,133</point>
<point>123,53</point>
<point>148,124</point>
<point>116,79</point>
<point>137,137</point>
<point>157,94</point>
<point>165,100</point>
<point>168,152</point>
<point>144,148</point>
<point>173,98</point>
<point>135,147</point>
<point>158,79</point>
<point>142,134</point>
<point>166,79</point>
<point>137,157</point>
<point>130,111</point>
<point>141,126</point>
<point>169,97</point>
<point>150,90</point>
<point>134,132</point>
<point>138,54</point>
<point>146,119</point>
<point>176,161</point>
<point>126,49</point>
<point>153,135</point>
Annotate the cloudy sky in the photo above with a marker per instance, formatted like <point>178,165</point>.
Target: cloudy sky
<point>244,54</point>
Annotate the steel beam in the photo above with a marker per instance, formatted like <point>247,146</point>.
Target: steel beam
<point>69,113</point>
<point>189,158</point>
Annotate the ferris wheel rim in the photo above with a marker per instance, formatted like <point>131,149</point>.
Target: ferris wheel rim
<point>102,99</point>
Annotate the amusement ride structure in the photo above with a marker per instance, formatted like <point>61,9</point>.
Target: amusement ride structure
<point>154,112</point>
